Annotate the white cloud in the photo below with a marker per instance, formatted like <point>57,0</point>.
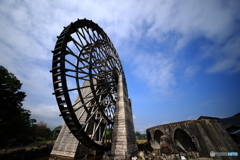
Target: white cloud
<point>167,122</point>
<point>213,20</point>
<point>156,70</point>
<point>222,65</point>
<point>190,17</point>
<point>207,103</point>
<point>43,110</point>
<point>227,59</point>
<point>192,118</point>
<point>142,128</point>
<point>29,29</point>
<point>134,117</point>
<point>191,71</point>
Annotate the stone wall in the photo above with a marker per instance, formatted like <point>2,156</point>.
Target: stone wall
<point>202,136</point>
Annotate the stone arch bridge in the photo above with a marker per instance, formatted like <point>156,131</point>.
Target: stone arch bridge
<point>196,136</point>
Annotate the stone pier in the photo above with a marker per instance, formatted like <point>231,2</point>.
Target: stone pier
<point>124,140</point>
<point>66,144</point>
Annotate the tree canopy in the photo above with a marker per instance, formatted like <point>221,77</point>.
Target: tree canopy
<point>14,119</point>
<point>15,122</point>
<point>137,133</point>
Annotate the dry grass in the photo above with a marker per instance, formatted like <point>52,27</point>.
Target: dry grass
<point>27,147</point>
<point>141,141</point>
<point>202,159</point>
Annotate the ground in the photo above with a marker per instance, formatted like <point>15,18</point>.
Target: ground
<point>27,147</point>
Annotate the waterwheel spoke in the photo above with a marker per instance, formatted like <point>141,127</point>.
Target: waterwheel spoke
<point>87,121</point>
<point>103,134</point>
<point>96,128</point>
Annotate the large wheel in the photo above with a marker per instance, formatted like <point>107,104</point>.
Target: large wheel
<point>86,65</point>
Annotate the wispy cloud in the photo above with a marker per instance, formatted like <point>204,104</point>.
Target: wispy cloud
<point>45,112</point>
<point>29,29</point>
<point>156,70</point>
<point>207,103</point>
<point>134,117</point>
<point>142,128</point>
<point>191,70</point>
<point>227,58</point>
<point>192,118</point>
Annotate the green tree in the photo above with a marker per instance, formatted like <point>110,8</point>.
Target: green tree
<point>14,120</point>
<point>56,132</point>
<point>32,122</point>
<point>58,128</point>
<point>42,132</point>
<point>137,133</point>
<point>108,135</point>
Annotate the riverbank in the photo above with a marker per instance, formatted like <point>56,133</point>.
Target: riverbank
<point>27,152</point>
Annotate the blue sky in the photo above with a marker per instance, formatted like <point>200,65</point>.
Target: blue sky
<point>181,58</point>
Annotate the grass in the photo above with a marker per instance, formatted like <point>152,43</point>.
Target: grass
<point>201,159</point>
<point>41,143</point>
<point>27,147</point>
<point>141,141</point>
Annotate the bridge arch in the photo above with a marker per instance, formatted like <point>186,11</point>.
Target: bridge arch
<point>156,139</point>
<point>149,137</point>
<point>183,140</point>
